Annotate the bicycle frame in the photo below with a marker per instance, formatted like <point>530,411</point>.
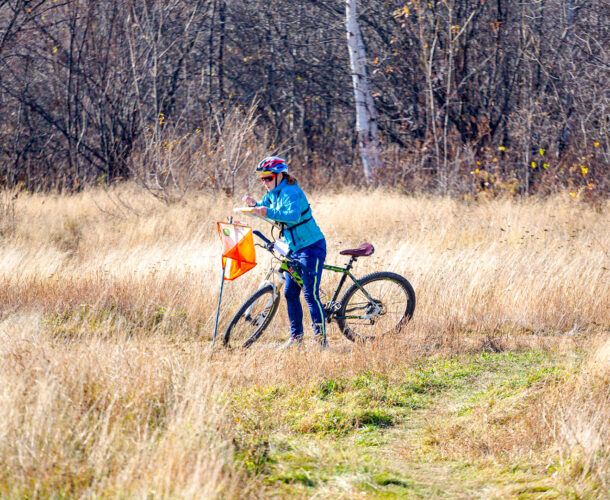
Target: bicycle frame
<point>332,307</point>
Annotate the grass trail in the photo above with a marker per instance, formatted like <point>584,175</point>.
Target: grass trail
<point>377,437</point>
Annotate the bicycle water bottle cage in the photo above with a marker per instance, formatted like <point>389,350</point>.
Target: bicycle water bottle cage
<point>363,250</point>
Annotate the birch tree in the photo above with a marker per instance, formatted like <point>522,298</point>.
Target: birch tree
<point>366,118</point>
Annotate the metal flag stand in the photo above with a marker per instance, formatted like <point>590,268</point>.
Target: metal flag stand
<point>222,282</point>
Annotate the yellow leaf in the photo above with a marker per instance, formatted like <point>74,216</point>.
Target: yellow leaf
<point>545,165</point>
<point>54,50</point>
<point>584,170</point>
<point>541,152</point>
<point>402,12</point>
<point>573,195</point>
<point>501,148</point>
<point>596,144</point>
<point>534,164</point>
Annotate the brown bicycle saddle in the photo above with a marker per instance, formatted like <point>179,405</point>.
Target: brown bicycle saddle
<point>362,251</point>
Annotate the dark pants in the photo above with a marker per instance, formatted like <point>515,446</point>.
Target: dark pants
<point>311,259</point>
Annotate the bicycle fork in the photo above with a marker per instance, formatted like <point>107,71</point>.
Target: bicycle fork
<point>276,287</point>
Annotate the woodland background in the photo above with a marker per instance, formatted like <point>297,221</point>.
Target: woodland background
<point>485,96</point>
<point>498,388</point>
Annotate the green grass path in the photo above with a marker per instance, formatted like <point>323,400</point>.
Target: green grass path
<point>380,436</point>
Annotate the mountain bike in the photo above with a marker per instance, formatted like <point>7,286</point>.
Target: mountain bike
<point>376,304</point>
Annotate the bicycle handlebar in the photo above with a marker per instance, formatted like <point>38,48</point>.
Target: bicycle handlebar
<point>295,266</point>
<point>272,247</point>
<point>268,243</point>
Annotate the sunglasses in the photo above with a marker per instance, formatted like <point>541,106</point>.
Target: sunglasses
<point>268,178</point>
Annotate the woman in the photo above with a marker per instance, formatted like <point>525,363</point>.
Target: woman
<point>286,204</point>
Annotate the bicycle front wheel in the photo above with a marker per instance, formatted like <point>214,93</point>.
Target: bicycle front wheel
<point>387,306</point>
<point>252,318</point>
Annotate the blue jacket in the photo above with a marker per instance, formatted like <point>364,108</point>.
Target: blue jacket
<point>288,205</point>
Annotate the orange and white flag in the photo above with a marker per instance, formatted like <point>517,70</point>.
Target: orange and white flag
<point>238,254</point>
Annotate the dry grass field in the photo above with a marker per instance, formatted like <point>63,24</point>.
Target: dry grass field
<point>499,386</point>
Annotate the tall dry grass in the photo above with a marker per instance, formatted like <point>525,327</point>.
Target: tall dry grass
<point>562,422</point>
<point>98,418</point>
<point>498,265</point>
<point>108,302</point>
<point>579,415</point>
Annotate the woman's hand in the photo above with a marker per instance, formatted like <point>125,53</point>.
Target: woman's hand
<point>260,211</point>
<point>249,201</point>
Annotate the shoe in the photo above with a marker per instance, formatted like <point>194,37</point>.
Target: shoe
<point>291,343</point>
<point>319,343</point>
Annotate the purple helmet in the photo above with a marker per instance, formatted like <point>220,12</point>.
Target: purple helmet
<point>271,165</point>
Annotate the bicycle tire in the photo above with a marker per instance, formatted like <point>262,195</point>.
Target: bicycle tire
<point>241,335</point>
<point>388,282</point>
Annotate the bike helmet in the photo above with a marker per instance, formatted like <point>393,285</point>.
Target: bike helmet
<point>271,165</point>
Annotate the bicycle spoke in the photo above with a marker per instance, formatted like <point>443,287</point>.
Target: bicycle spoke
<point>385,306</point>
<point>251,319</point>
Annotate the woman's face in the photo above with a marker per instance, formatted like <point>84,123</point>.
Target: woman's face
<point>269,181</point>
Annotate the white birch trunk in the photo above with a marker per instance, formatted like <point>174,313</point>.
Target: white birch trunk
<point>366,118</point>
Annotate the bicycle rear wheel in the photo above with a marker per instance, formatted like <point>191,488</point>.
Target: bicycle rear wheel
<point>391,307</point>
<point>252,318</point>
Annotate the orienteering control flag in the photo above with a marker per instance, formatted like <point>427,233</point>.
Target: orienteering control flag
<point>238,255</point>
